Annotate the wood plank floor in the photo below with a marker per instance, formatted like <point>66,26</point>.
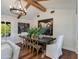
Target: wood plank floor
<point>26,54</point>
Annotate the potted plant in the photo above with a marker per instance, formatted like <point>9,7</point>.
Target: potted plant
<point>34,32</point>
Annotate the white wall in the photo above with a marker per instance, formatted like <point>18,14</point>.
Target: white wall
<point>65,22</point>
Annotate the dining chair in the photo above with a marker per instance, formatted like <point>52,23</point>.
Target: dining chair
<point>22,39</point>
<point>36,46</point>
<point>55,50</point>
<point>23,44</point>
<point>29,44</point>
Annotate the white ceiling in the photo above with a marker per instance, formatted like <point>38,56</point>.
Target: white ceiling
<point>50,4</point>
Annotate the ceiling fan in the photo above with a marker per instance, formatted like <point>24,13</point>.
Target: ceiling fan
<point>35,4</point>
<point>18,9</point>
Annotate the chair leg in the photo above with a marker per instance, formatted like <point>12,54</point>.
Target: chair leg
<point>26,45</point>
<point>32,50</point>
<point>37,52</point>
<point>29,48</point>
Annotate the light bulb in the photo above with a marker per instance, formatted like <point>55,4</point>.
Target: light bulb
<point>17,11</point>
<point>25,10</point>
<point>10,6</point>
<point>19,6</point>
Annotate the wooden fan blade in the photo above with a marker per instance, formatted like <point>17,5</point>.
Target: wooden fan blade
<point>39,6</point>
<point>29,1</point>
<point>25,0</point>
<point>42,0</point>
<point>27,6</point>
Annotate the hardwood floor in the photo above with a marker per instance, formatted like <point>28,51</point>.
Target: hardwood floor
<point>68,54</point>
<point>26,54</point>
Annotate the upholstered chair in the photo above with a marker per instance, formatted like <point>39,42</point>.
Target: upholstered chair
<point>55,50</point>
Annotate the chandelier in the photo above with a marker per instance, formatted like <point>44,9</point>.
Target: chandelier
<point>17,9</point>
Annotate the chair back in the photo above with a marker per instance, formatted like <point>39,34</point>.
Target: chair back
<point>59,42</point>
<point>58,50</point>
<point>55,50</point>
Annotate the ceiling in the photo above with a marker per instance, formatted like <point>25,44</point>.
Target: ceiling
<point>50,4</point>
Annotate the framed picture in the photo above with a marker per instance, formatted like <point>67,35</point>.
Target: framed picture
<point>23,27</point>
<point>46,26</point>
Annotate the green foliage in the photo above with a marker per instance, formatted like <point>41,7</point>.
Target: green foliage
<point>34,31</point>
<point>5,28</point>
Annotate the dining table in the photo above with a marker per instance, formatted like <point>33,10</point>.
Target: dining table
<point>42,41</point>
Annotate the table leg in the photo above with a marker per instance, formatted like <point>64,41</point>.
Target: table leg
<point>44,52</point>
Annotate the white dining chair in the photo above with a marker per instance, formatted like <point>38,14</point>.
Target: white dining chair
<point>54,50</point>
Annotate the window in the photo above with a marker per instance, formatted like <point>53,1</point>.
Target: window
<point>5,29</point>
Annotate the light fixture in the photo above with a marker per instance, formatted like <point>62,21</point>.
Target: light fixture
<point>38,15</point>
<point>52,11</point>
<point>17,8</point>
